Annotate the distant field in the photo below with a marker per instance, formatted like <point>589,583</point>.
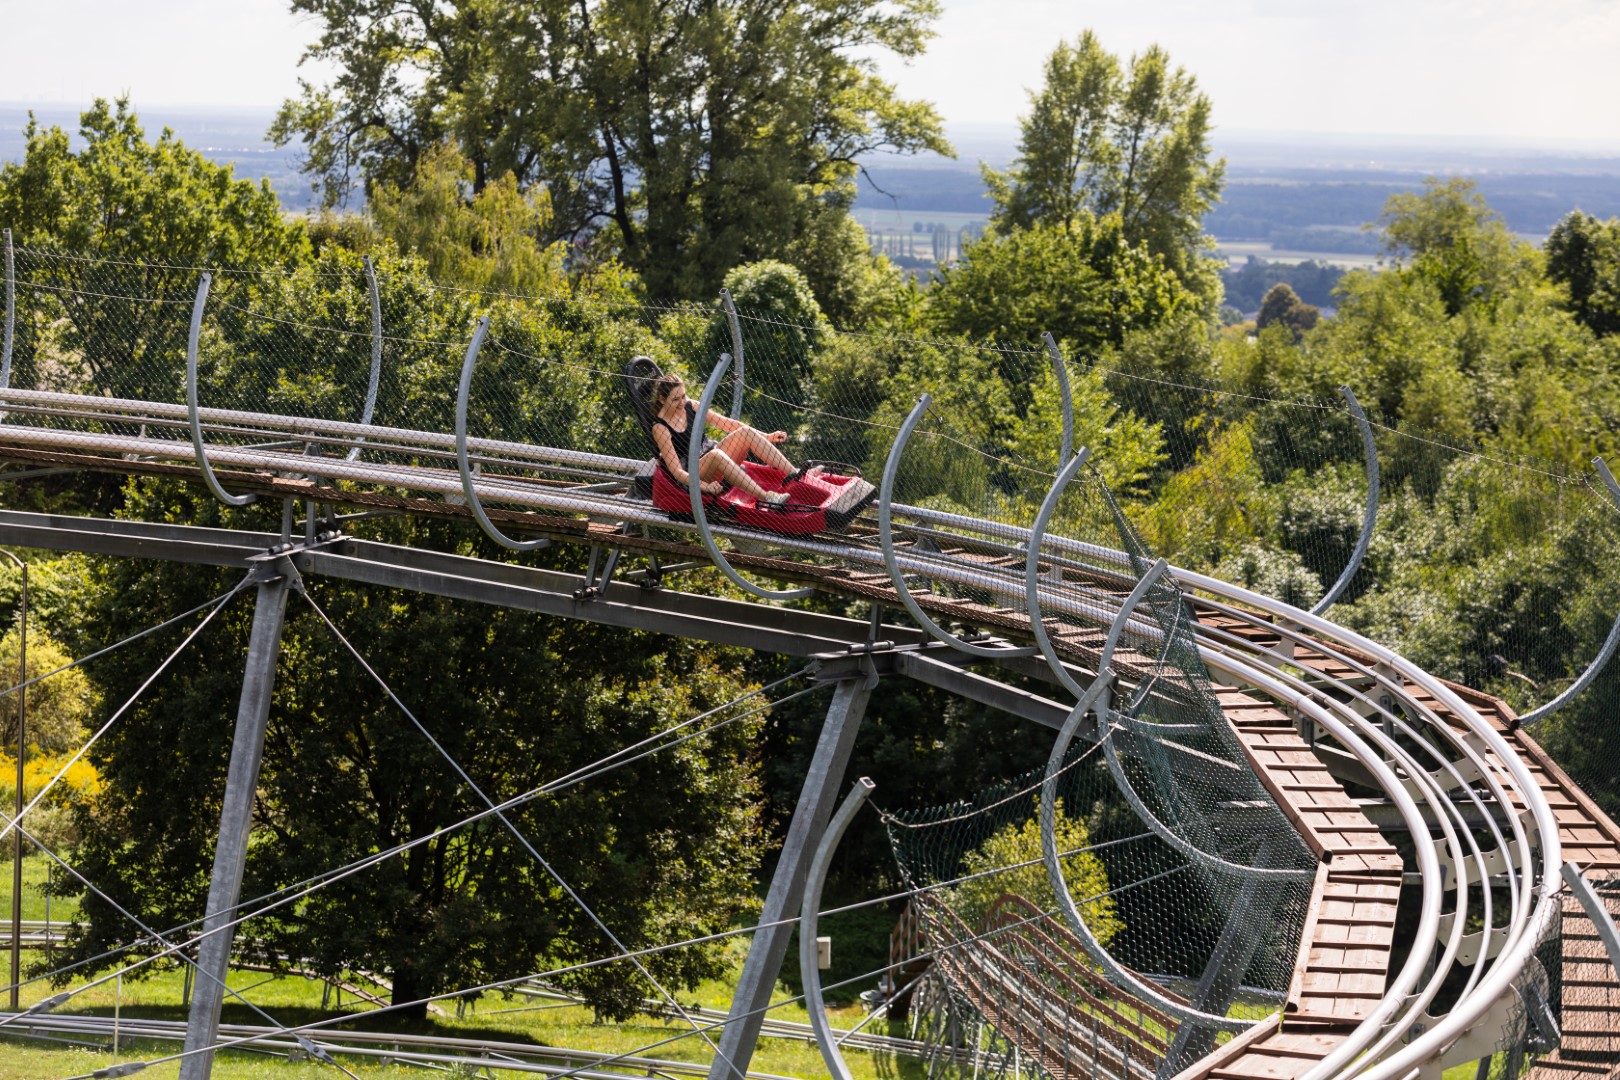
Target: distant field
<point>1237,252</point>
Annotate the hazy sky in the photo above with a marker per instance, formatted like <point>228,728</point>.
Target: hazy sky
<point>1500,69</point>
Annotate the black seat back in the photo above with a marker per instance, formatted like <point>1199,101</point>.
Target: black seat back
<point>641,373</point>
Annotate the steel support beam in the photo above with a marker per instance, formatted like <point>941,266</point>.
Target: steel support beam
<point>810,817</point>
<point>235,821</point>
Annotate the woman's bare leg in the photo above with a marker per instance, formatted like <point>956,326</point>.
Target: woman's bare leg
<point>715,463</point>
<point>738,444</point>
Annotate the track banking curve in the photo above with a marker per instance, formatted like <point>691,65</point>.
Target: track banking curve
<point>1262,655</point>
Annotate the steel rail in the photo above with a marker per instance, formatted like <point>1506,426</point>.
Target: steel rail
<point>736,352</point>
<point>1065,400</point>
<point>1514,772</point>
<point>809,922</point>
<point>10,330</point>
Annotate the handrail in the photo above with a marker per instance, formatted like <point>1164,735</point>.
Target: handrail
<point>197,446</point>
<point>1369,518</point>
<point>376,351</point>
<point>694,488</point>
<point>468,490</point>
<point>809,969</point>
<point>886,540</point>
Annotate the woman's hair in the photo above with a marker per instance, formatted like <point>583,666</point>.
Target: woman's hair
<point>664,387</point>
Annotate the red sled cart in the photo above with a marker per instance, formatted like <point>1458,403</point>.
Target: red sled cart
<point>824,496</point>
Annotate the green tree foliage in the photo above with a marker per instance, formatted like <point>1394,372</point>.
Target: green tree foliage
<point>662,849</point>
<point>1015,844</point>
<point>57,707</point>
<point>698,135</point>
<point>1282,306</point>
<point>494,240</point>
<point>1447,236</point>
<point>1110,139</point>
<point>1084,284</point>
<point>122,197</point>
<point>1583,255</point>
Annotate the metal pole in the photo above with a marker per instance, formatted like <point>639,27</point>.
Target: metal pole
<point>11,316</point>
<point>736,352</point>
<point>809,968</point>
<point>235,821</point>
<point>1065,400</point>
<point>1369,449</point>
<point>22,750</point>
<point>810,816</point>
<point>376,351</point>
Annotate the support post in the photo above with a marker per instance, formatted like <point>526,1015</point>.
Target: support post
<point>235,820</point>
<point>1252,912</point>
<point>11,315</point>
<point>810,817</point>
<point>1369,519</point>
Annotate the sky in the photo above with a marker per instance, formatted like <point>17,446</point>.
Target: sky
<point>1522,71</point>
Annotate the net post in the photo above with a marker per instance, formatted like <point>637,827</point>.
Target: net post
<point>736,352</point>
<point>1605,654</point>
<point>192,411</point>
<point>11,315</point>
<point>1061,370</point>
<point>809,960</point>
<point>1369,519</point>
<point>463,466</point>
<point>370,407</point>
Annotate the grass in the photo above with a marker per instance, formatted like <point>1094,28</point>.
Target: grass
<point>295,1000</point>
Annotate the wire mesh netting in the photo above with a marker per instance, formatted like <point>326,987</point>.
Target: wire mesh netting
<point>1482,567</point>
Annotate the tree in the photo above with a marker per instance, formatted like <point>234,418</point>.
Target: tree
<point>516,699</point>
<point>1132,142</point>
<point>1085,284</point>
<point>1282,306</point>
<point>1583,255</point>
<point>494,240</point>
<point>699,134</point>
<point>1455,241</point>
<point>159,208</point>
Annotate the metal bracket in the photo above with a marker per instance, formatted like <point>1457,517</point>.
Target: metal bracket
<point>197,446</point>
<point>467,490</point>
<point>1369,448</point>
<point>594,586</point>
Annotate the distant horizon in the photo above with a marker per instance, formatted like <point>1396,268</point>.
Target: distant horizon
<point>980,129</point>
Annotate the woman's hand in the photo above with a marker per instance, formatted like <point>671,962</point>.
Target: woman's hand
<point>710,487</point>
<point>776,437</point>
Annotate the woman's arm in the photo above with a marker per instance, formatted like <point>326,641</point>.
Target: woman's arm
<point>728,425</point>
<point>672,461</point>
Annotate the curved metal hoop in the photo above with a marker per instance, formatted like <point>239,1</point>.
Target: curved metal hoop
<point>1369,449</point>
<point>376,351</point>
<point>736,352</point>
<point>891,467</point>
<point>694,487</point>
<point>1032,574</point>
<point>1116,972</point>
<point>809,969</point>
<point>197,446</point>
<point>1061,370</point>
<point>462,464</point>
<point>1606,653</point>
